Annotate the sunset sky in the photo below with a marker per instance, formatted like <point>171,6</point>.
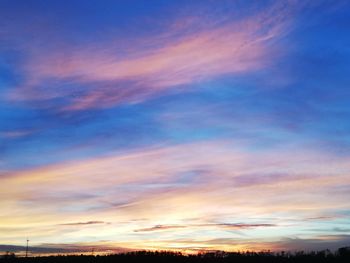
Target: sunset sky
<point>185,125</point>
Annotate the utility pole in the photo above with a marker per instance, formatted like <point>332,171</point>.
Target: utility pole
<point>27,248</point>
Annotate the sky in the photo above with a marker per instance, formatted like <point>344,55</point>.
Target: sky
<point>174,125</point>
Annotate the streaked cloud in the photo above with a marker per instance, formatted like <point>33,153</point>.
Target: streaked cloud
<point>143,184</point>
<point>157,228</point>
<point>244,226</point>
<point>84,223</point>
<point>222,225</point>
<point>101,76</point>
<point>174,125</point>
<point>14,134</point>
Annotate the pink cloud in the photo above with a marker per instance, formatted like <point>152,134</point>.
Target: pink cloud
<point>130,189</point>
<point>229,226</point>
<point>158,227</point>
<point>173,59</point>
<point>15,134</point>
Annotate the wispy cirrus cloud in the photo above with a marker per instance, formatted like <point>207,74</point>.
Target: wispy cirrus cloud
<point>237,164</point>
<point>243,225</point>
<point>230,226</point>
<point>101,75</point>
<point>14,134</point>
<point>158,228</point>
<point>84,223</point>
<point>187,181</point>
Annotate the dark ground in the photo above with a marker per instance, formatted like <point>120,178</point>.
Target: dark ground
<point>342,255</point>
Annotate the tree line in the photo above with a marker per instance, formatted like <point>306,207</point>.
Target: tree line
<point>341,255</point>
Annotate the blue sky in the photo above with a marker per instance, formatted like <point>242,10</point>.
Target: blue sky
<point>166,98</point>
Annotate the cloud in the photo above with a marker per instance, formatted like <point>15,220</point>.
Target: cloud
<point>48,249</point>
<point>332,242</point>
<point>14,134</point>
<point>207,225</point>
<point>321,218</point>
<point>244,226</point>
<point>157,228</point>
<point>84,223</point>
<point>164,194</point>
<point>144,183</point>
<point>101,76</point>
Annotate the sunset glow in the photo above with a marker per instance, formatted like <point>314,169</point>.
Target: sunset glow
<point>174,125</point>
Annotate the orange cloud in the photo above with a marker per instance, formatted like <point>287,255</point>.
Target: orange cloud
<point>157,228</point>
<point>192,185</point>
<point>222,225</point>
